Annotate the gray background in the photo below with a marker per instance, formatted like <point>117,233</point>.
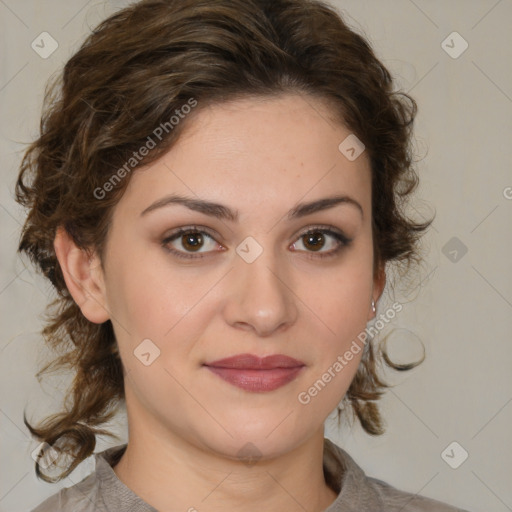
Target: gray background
<point>460,306</point>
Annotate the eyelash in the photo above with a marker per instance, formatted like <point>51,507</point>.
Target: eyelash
<point>340,237</point>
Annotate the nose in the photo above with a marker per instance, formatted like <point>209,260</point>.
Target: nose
<point>261,296</point>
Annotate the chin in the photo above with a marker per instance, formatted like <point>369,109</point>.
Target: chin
<point>256,440</point>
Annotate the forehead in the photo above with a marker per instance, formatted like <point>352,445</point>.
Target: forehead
<point>256,153</point>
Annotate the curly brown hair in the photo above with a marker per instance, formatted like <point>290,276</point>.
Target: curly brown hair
<point>132,73</point>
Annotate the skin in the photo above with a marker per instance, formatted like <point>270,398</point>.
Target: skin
<point>260,156</point>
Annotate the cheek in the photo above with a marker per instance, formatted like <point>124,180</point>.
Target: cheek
<point>341,318</point>
<point>340,301</point>
<point>145,293</point>
<point>171,307</point>
<point>343,310</point>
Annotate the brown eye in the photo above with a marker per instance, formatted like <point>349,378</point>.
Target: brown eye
<point>314,240</point>
<point>192,241</point>
<point>317,239</point>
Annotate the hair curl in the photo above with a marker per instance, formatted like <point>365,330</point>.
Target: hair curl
<point>129,76</point>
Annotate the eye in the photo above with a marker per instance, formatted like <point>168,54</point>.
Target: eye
<point>192,240</point>
<point>315,239</point>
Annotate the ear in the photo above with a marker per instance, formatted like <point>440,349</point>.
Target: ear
<point>379,282</point>
<point>84,277</point>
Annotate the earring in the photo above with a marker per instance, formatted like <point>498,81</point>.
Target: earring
<point>373,306</point>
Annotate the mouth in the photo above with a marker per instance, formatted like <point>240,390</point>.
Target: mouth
<point>255,374</point>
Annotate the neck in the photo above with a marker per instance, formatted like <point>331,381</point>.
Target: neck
<point>171,474</point>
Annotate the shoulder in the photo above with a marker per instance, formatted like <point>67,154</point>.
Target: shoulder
<point>397,500</point>
<point>88,495</point>
<point>81,497</point>
<point>357,491</point>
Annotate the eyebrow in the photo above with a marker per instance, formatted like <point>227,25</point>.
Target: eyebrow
<point>223,212</point>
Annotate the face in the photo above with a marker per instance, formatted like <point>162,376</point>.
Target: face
<point>259,275</point>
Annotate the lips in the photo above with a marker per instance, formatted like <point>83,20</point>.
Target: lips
<point>252,373</point>
<point>251,362</point>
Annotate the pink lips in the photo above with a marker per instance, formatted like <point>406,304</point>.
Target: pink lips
<point>252,373</point>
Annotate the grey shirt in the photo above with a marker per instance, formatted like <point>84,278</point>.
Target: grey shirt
<point>102,491</point>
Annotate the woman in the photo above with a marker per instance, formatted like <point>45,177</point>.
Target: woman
<point>215,195</point>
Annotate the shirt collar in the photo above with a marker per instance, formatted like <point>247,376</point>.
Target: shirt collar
<point>115,494</point>
<point>341,470</point>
